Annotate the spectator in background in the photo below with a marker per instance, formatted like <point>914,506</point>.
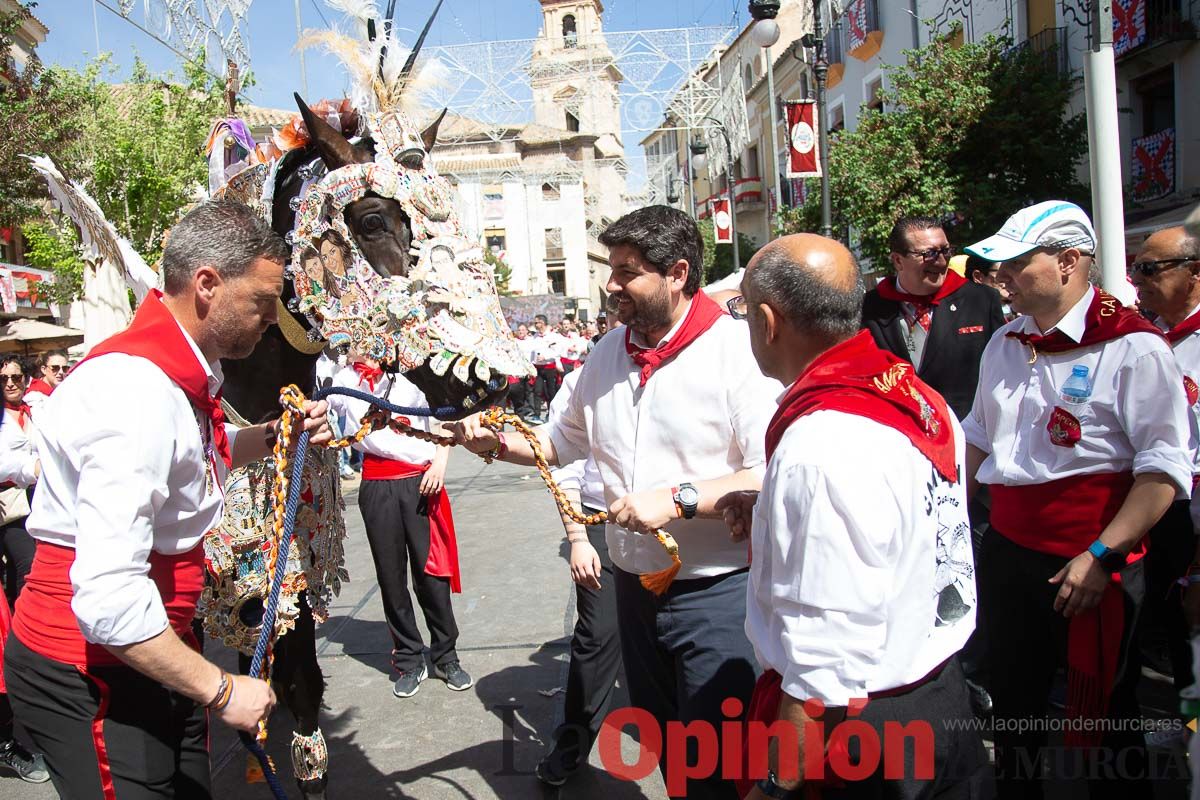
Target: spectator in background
<point>601,325</point>
<point>50,368</point>
<point>520,390</point>
<point>574,346</point>
<point>980,270</point>
<point>547,350</point>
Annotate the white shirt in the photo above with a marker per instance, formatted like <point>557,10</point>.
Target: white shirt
<point>123,474</point>
<point>384,443</point>
<point>546,349</point>
<point>1187,355</point>
<point>1136,419</point>
<point>855,557</point>
<point>35,399</point>
<point>703,414</point>
<point>582,473</point>
<point>17,453</point>
<point>528,346</point>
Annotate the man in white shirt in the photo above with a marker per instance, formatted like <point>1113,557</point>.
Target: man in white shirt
<point>1166,274</point>
<point>673,411</point>
<point>409,525</point>
<point>1080,428</point>
<point>102,667</point>
<point>862,586</point>
<point>546,346</point>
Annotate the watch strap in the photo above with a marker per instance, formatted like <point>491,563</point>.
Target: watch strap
<point>770,788</point>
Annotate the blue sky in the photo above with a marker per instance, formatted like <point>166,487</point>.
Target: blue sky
<point>272,34</point>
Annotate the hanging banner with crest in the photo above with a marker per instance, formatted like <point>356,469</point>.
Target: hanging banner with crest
<point>722,221</point>
<point>803,155</point>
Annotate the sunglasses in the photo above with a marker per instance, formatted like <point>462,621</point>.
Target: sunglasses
<point>55,367</point>
<point>13,378</point>
<point>738,307</point>
<point>1148,269</point>
<point>932,254</point>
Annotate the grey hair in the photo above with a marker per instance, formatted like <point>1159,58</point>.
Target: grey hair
<point>225,235</point>
<point>811,305</point>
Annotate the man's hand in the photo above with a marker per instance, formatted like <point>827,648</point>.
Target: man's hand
<point>644,512</point>
<point>434,478</point>
<point>473,435</point>
<point>585,563</point>
<point>1082,581</point>
<point>737,509</point>
<point>251,701</point>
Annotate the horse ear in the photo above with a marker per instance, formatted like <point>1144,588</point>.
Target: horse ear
<point>336,151</point>
<point>429,135</point>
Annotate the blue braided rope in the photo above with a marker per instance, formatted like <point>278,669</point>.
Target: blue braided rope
<point>285,546</point>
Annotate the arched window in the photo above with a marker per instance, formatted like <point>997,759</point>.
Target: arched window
<point>570,35</point>
<point>572,122</point>
<point>749,79</point>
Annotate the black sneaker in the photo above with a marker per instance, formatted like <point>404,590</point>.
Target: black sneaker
<point>410,681</point>
<point>557,767</point>
<point>454,675</point>
<point>30,767</point>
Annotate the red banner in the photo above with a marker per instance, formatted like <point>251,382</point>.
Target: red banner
<point>722,221</point>
<point>803,156</point>
<point>1129,25</point>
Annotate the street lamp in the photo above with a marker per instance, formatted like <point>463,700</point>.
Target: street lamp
<point>765,34</point>
<point>672,193</point>
<point>700,161</point>
<point>820,67</point>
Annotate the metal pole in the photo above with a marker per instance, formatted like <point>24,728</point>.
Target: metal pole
<point>774,160</point>
<point>737,261</point>
<point>303,71</point>
<point>1104,149</point>
<point>821,69</point>
<point>96,28</point>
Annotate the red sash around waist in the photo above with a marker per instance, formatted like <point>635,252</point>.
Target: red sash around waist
<point>378,468</point>
<point>1061,517</point>
<point>45,623</point>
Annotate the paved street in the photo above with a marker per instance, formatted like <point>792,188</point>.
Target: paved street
<point>514,613</point>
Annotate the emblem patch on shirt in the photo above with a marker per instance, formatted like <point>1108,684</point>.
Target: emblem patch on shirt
<point>1193,391</point>
<point>1064,428</point>
<point>970,329</point>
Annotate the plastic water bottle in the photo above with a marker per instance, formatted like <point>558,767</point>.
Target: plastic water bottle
<point>1077,390</point>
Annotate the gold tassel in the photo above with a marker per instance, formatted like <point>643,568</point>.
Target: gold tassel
<point>659,582</point>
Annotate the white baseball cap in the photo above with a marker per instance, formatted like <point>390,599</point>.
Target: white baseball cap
<point>1055,223</point>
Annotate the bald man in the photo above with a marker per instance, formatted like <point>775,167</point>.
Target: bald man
<point>862,586</point>
<point>1166,273</point>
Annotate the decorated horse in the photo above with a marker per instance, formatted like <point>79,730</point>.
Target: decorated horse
<point>380,267</point>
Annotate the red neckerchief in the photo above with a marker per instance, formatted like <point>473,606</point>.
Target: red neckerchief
<point>155,335</point>
<point>1106,319</point>
<point>39,385</point>
<point>24,412</point>
<point>1188,326</point>
<point>889,290</point>
<point>367,374</point>
<point>701,316</point>
<point>856,377</point>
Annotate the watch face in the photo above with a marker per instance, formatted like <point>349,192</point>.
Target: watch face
<point>688,496</point>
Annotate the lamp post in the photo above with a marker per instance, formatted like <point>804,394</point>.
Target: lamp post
<point>820,67</point>
<point>672,192</point>
<point>765,34</point>
<point>700,161</point>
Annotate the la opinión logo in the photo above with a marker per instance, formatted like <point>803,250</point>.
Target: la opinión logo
<point>827,750</point>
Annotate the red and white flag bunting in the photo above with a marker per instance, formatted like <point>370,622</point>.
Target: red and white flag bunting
<point>1129,25</point>
<point>722,221</point>
<point>856,17</point>
<point>803,156</point>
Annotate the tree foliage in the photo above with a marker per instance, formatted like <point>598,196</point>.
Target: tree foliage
<point>44,111</point>
<point>718,259</point>
<point>51,244</point>
<point>500,270</point>
<point>973,132</point>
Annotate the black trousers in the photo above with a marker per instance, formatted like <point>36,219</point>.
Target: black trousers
<point>522,396</point>
<point>1028,640</point>
<point>397,521</point>
<point>546,385</point>
<point>17,548</point>
<point>685,652</point>
<point>1172,543</point>
<point>595,660</point>
<point>112,733</point>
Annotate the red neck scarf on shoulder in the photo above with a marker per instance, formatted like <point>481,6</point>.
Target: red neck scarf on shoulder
<point>24,412</point>
<point>1106,319</point>
<point>1185,328</point>
<point>155,335</point>
<point>366,374</point>
<point>856,377</point>
<point>889,290</point>
<point>701,315</point>
<point>39,385</point>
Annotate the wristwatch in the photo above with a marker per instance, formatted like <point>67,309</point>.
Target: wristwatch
<point>687,498</point>
<point>770,788</point>
<point>1111,560</point>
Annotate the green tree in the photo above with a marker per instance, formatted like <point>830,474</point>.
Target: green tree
<point>52,244</point>
<point>43,112</point>
<point>718,258</point>
<point>500,270</point>
<point>973,133</point>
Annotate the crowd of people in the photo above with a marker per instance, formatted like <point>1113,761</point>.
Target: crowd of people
<point>916,504</point>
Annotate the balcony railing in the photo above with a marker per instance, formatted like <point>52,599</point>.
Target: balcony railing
<point>1049,46</point>
<point>833,47</point>
<point>1140,23</point>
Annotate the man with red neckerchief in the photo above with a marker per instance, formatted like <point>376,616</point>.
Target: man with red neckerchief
<point>931,316</point>
<point>862,585</point>
<point>102,667</point>
<point>1080,427</point>
<point>1166,274</point>
<point>673,411</point>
